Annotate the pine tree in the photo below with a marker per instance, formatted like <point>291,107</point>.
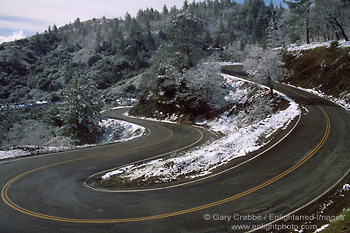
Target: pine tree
<point>185,5</point>
<point>165,11</point>
<point>301,10</point>
<point>80,111</point>
<point>149,40</point>
<point>187,34</point>
<point>55,29</point>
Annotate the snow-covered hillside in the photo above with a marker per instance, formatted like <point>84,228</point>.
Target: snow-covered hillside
<point>321,69</point>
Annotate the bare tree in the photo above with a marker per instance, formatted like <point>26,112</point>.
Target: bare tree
<point>263,65</point>
<point>335,13</point>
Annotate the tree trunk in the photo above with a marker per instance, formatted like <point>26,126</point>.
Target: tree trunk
<point>335,30</point>
<point>270,83</point>
<point>271,91</point>
<point>341,29</point>
<point>307,30</point>
<point>308,24</point>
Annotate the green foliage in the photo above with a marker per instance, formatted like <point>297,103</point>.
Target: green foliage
<point>110,50</point>
<point>92,60</point>
<point>80,111</point>
<point>53,117</point>
<point>334,43</point>
<point>187,33</point>
<point>198,92</point>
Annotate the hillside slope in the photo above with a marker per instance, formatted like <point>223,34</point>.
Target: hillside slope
<point>325,69</point>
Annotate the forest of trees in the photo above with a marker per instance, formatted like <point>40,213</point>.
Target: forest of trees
<point>162,45</point>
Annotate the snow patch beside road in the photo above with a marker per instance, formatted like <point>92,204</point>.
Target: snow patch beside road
<point>298,48</point>
<point>116,131</point>
<point>343,101</point>
<point>120,131</point>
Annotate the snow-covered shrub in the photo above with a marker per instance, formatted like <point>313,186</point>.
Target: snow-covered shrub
<point>27,132</point>
<point>167,81</point>
<point>202,90</point>
<point>198,91</point>
<point>334,43</point>
<point>117,130</point>
<point>34,133</point>
<point>113,130</point>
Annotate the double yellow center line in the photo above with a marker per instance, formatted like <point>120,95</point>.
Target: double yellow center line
<point>7,200</point>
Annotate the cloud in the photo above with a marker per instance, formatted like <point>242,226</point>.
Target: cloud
<point>37,15</point>
<point>22,24</point>
<point>34,16</point>
<point>15,36</point>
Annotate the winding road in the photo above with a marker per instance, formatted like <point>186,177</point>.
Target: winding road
<point>47,193</point>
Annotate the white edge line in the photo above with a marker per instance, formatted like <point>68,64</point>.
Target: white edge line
<point>139,161</point>
<point>325,192</point>
<point>304,206</point>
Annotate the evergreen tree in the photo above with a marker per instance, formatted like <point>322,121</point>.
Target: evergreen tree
<point>301,10</point>
<point>149,40</point>
<point>258,33</point>
<point>187,33</point>
<point>80,111</point>
<point>185,5</point>
<point>55,29</point>
<point>165,11</point>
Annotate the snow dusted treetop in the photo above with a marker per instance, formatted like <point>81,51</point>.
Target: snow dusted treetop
<point>207,82</point>
<point>301,10</point>
<point>80,111</point>
<point>263,65</point>
<point>187,33</point>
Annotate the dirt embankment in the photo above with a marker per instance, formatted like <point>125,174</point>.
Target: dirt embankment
<point>326,69</point>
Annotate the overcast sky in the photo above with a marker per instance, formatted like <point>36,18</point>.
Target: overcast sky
<point>21,18</point>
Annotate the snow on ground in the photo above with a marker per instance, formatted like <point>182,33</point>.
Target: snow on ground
<point>346,187</point>
<point>344,101</point>
<point>29,150</point>
<point>116,131</point>
<point>322,228</point>
<point>238,141</point>
<point>120,131</point>
<point>296,47</point>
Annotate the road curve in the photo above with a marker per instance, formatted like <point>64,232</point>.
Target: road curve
<point>46,193</point>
